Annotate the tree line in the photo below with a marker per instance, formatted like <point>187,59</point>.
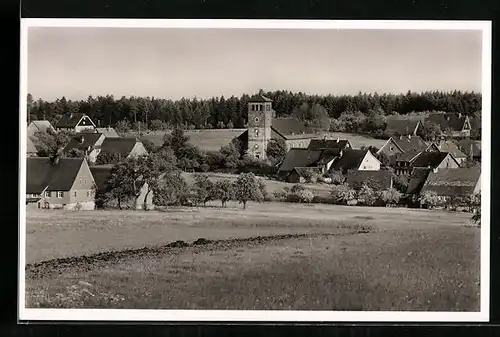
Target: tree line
<point>231,112</point>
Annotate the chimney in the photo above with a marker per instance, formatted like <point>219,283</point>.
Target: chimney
<point>338,139</point>
<point>82,139</point>
<point>107,128</point>
<point>435,169</point>
<point>400,137</point>
<point>409,136</point>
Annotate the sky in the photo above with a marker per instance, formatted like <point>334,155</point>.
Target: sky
<point>183,62</point>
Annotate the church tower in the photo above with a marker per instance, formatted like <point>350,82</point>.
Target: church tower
<point>260,116</point>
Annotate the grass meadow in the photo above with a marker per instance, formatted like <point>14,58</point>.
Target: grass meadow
<point>270,256</point>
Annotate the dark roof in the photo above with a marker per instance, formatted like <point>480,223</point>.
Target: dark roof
<point>418,177</point>
<point>320,144</point>
<point>301,171</point>
<point>328,154</point>
<point>453,121</point>
<point>101,174</point>
<point>377,180</point>
<point>259,99</point>
<point>406,156</point>
<point>120,145</point>
<point>350,159</point>
<point>406,143</point>
<point>70,121</point>
<point>429,159</point>
<point>475,122</point>
<point>449,182</point>
<point>290,126</point>
<point>465,146</point>
<point>449,146</point>
<point>299,158</point>
<point>42,173</point>
<point>89,140</point>
<point>401,126</point>
<point>108,132</point>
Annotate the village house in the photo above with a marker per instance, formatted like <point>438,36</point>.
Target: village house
<point>298,157</point>
<point>402,126</point>
<point>450,147</point>
<point>406,162</point>
<point>402,144</point>
<point>76,122</point>
<point>88,142</point>
<point>350,159</point>
<point>471,148</point>
<point>65,183</point>
<point>263,126</point>
<point>102,174</point>
<point>447,183</point>
<point>124,146</point>
<point>452,124</point>
<point>327,160</point>
<point>39,126</point>
<point>376,180</point>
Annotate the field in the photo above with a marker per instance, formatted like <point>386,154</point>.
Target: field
<point>269,256</point>
<point>213,140</point>
<point>207,140</point>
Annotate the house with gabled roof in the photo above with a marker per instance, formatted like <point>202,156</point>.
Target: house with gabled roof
<point>402,144</point>
<point>88,142</point>
<point>448,183</point>
<point>402,126</point>
<point>102,174</point>
<point>450,147</point>
<point>39,126</point>
<point>124,146</point>
<point>350,159</point>
<point>376,180</point>
<point>263,126</point>
<point>435,160</point>
<point>471,148</point>
<point>298,157</point>
<point>76,122</point>
<point>65,183</point>
<point>451,124</point>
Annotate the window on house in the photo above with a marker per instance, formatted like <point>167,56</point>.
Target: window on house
<point>46,194</point>
<point>391,148</point>
<point>85,181</point>
<point>268,107</point>
<point>256,119</point>
<point>89,193</point>
<point>59,194</point>
<point>75,193</point>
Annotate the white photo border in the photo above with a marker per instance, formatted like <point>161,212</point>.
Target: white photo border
<point>117,315</point>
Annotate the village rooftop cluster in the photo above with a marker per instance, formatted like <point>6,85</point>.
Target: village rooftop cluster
<point>445,168</point>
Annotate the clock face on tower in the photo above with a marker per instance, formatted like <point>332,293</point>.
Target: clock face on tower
<point>256,119</point>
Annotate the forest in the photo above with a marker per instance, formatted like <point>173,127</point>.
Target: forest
<point>231,112</point>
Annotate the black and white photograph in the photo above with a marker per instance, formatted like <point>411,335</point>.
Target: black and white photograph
<point>254,170</point>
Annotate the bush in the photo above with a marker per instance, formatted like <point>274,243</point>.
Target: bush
<point>366,196</point>
<point>342,193</point>
<point>336,176</point>
<point>390,196</point>
<point>305,195</point>
<point>401,183</point>
<point>429,199</point>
